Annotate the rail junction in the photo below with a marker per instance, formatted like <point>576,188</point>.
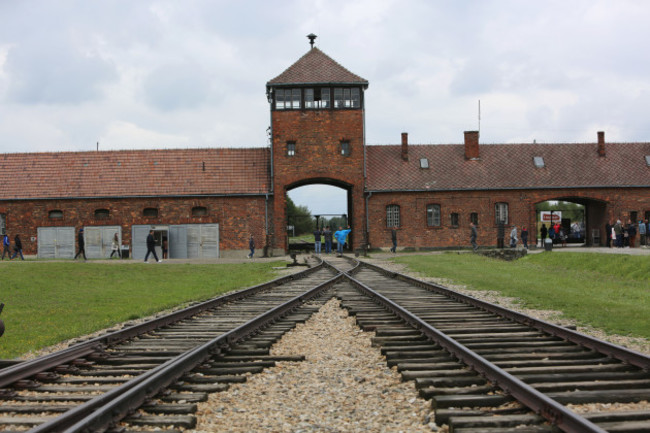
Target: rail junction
<point>484,368</point>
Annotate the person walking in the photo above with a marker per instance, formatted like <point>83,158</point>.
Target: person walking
<point>341,235</point>
<point>393,238</point>
<point>642,233</point>
<point>6,243</point>
<point>317,240</point>
<point>18,248</point>
<point>513,237</point>
<point>251,246</point>
<point>543,233</point>
<point>472,236</point>
<point>5,247</point>
<point>151,247</point>
<point>115,246</point>
<point>82,245</point>
<point>524,236</point>
<point>327,235</point>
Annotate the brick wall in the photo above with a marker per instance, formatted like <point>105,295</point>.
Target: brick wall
<point>237,217</point>
<point>317,135</point>
<point>601,205</point>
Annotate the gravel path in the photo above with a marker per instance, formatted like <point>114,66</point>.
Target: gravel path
<point>342,386</point>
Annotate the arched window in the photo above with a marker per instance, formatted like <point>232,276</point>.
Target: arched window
<point>433,215</point>
<point>392,215</point>
<point>150,212</point>
<point>102,214</point>
<point>199,211</point>
<point>55,214</point>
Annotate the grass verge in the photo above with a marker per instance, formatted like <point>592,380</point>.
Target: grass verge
<point>606,291</point>
<point>46,303</point>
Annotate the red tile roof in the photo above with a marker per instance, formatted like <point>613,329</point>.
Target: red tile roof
<point>507,166</point>
<point>316,67</point>
<point>134,173</point>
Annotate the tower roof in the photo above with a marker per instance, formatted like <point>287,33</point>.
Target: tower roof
<point>316,67</point>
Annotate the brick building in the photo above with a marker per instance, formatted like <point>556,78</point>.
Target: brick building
<point>207,202</point>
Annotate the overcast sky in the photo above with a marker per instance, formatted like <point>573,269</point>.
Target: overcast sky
<point>163,74</point>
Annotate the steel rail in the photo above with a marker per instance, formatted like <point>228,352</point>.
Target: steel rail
<point>104,411</point>
<point>549,409</point>
<point>623,354</point>
<point>29,368</point>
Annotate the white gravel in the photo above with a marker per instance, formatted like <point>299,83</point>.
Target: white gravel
<point>342,386</point>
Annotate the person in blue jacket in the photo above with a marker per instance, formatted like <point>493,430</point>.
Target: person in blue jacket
<point>341,235</point>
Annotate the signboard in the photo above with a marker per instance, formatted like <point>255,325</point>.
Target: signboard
<point>545,216</point>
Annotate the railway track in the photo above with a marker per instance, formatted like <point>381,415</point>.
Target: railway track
<point>488,369</point>
<point>484,368</point>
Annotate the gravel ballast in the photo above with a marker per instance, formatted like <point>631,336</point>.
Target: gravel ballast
<point>343,385</point>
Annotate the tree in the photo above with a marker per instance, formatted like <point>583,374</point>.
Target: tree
<point>299,217</point>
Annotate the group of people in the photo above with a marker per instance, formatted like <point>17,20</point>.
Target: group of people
<point>555,232</point>
<point>622,235</point>
<point>6,247</point>
<point>340,235</point>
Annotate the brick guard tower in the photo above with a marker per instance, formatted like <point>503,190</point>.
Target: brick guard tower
<point>317,136</point>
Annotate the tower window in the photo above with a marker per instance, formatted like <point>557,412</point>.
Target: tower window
<point>345,97</point>
<point>287,99</point>
<point>317,98</point>
<point>392,215</point>
<point>291,148</point>
<point>345,148</point>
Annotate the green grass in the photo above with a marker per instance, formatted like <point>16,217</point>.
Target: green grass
<point>49,302</point>
<point>607,291</point>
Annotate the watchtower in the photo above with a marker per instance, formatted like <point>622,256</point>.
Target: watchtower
<point>317,136</point>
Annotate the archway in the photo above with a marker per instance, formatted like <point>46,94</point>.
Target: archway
<point>316,204</point>
<point>582,220</point>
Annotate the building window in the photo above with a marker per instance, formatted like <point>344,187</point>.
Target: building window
<point>101,214</point>
<point>501,213</point>
<point>392,215</point>
<point>454,219</point>
<point>150,212</point>
<point>538,161</point>
<point>55,214</point>
<point>345,97</point>
<point>287,99</point>
<point>317,98</point>
<point>345,148</point>
<point>433,215</point>
<point>3,224</point>
<point>199,211</point>
<point>291,148</point>
<point>634,216</point>
<point>424,163</point>
<point>473,218</point>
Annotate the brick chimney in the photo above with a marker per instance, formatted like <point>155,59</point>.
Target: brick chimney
<point>405,146</point>
<point>601,143</point>
<point>471,145</point>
